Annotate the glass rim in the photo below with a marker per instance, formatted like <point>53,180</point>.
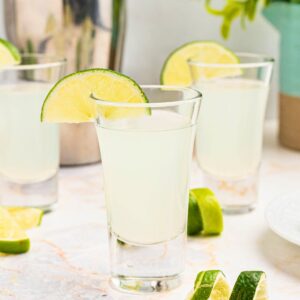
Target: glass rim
<point>197,97</point>
<point>265,61</point>
<point>54,61</point>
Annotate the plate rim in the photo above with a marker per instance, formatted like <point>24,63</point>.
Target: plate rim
<point>283,235</point>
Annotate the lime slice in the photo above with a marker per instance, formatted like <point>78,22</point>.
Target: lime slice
<point>26,217</point>
<point>210,211</point>
<point>9,54</point>
<point>176,70</point>
<point>195,225</point>
<point>250,285</point>
<point>211,285</point>
<point>69,100</point>
<point>13,238</point>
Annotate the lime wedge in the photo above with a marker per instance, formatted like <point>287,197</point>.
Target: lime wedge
<point>211,285</point>
<point>9,54</point>
<point>211,216</point>
<point>27,218</point>
<point>13,238</point>
<point>176,70</point>
<point>250,285</point>
<point>69,100</point>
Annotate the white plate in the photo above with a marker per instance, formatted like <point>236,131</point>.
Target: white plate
<point>283,216</point>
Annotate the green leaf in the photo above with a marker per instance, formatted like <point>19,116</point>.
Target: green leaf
<point>232,12</point>
<point>234,9</point>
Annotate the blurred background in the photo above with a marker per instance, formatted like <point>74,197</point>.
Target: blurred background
<point>155,28</point>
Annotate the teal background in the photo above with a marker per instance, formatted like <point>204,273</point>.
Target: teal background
<point>286,18</point>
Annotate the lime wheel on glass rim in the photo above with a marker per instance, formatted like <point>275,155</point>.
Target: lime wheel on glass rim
<point>9,54</point>
<point>176,71</point>
<point>70,100</point>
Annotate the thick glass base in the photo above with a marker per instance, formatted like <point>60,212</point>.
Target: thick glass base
<point>42,194</point>
<point>236,196</point>
<point>145,285</point>
<point>235,209</point>
<point>140,268</point>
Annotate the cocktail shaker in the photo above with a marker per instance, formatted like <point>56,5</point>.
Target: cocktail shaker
<point>89,33</point>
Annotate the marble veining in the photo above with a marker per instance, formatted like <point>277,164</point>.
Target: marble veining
<point>69,253</point>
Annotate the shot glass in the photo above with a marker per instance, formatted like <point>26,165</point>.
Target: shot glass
<point>230,130</point>
<point>29,150</point>
<point>146,155</point>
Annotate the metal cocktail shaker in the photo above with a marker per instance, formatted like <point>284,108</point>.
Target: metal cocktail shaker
<point>89,33</point>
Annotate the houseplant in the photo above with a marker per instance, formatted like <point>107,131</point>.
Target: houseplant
<point>285,16</point>
<point>239,9</point>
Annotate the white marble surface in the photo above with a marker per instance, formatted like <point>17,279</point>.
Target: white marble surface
<point>69,254</point>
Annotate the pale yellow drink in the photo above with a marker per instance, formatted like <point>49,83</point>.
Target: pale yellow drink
<point>146,171</point>
<point>229,134</point>
<point>29,150</point>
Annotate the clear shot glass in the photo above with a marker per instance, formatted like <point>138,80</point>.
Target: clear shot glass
<point>230,130</point>
<point>146,151</point>
<point>29,150</point>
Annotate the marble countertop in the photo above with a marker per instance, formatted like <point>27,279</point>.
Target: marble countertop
<point>69,253</point>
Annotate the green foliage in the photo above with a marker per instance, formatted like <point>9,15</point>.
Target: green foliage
<point>238,9</point>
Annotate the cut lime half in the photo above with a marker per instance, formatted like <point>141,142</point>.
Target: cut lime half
<point>195,225</point>
<point>250,285</point>
<point>26,217</point>
<point>70,100</point>
<point>211,285</point>
<point>9,54</point>
<point>211,216</point>
<point>13,238</point>
<point>176,69</point>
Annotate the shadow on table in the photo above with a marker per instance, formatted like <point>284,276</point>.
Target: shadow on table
<point>284,255</point>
